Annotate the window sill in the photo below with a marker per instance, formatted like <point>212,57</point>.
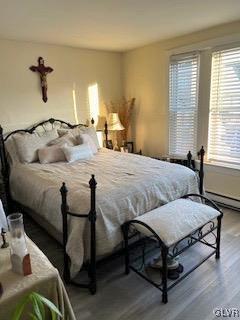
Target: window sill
<point>221,166</point>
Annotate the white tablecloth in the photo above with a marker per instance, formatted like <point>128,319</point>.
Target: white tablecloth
<point>44,280</point>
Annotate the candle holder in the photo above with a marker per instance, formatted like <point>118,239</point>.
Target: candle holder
<point>4,240</point>
<point>20,257</point>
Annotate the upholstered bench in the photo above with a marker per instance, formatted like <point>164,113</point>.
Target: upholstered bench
<point>172,224</point>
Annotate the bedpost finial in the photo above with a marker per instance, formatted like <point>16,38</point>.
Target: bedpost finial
<point>92,182</point>
<point>63,188</point>
<point>1,130</point>
<point>201,153</point>
<point>189,159</point>
<point>189,155</point>
<point>106,127</point>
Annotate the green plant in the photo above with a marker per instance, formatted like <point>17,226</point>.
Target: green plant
<point>39,303</point>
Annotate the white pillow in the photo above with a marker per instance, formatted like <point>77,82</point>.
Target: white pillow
<point>75,131</point>
<point>27,144</point>
<point>85,138</point>
<point>92,133</point>
<point>78,130</point>
<point>51,154</point>
<point>11,151</point>
<point>81,152</point>
<point>67,139</point>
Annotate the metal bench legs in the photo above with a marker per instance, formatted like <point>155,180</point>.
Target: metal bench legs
<point>164,253</point>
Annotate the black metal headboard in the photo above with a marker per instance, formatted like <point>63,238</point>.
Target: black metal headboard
<point>3,157</point>
<point>42,123</point>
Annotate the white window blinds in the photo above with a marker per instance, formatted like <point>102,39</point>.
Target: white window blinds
<point>224,119</point>
<point>183,104</point>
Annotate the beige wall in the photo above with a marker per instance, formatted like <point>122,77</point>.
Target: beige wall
<point>146,78</point>
<point>21,104</point>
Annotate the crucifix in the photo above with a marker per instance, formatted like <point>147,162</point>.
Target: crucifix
<point>43,71</point>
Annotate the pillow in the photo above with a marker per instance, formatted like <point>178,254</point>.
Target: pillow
<point>80,152</point>
<point>11,152</point>
<point>67,139</point>
<point>92,133</point>
<point>27,144</point>
<point>75,131</point>
<point>47,136</point>
<point>78,130</point>
<point>85,138</point>
<point>51,154</point>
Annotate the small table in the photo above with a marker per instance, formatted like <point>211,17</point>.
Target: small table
<point>44,280</point>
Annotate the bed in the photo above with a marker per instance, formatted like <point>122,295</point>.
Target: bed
<point>128,185</point>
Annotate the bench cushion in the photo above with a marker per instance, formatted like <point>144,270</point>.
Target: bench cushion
<point>176,220</point>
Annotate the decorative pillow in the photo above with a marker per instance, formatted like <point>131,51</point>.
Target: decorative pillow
<point>67,139</point>
<point>27,144</point>
<point>51,154</point>
<point>85,138</point>
<point>80,152</point>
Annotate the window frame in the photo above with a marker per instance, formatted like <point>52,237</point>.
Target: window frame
<point>205,50</point>
<point>178,57</point>
<point>227,164</point>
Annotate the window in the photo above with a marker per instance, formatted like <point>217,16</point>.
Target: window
<point>93,98</point>
<point>183,104</point>
<point>224,118</point>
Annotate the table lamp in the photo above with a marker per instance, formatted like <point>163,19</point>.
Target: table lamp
<point>114,124</point>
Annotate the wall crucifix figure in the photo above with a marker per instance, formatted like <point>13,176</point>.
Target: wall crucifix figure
<point>43,71</point>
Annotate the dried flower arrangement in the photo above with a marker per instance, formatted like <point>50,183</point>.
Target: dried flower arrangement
<point>124,108</point>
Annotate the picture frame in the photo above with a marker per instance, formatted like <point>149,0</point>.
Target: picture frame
<point>130,146</point>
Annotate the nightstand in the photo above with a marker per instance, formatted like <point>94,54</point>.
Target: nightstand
<point>139,152</point>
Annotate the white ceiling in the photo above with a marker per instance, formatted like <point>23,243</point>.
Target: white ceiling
<point>116,25</point>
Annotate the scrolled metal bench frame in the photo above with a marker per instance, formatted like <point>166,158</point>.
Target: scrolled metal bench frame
<point>165,250</point>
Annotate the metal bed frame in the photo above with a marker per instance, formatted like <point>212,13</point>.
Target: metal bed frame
<point>10,205</point>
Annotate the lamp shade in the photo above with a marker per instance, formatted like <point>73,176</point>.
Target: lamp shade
<point>114,123</point>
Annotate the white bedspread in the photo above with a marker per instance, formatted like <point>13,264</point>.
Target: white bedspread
<point>128,185</point>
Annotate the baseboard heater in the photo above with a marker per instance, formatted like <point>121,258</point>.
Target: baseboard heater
<point>225,201</point>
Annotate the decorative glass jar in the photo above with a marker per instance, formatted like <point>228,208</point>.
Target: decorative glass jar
<point>18,247</point>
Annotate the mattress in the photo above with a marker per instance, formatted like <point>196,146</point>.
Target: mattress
<point>128,185</point>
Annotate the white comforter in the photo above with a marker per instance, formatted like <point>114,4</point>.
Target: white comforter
<point>127,186</point>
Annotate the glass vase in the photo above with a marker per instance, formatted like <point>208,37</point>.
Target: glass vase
<point>18,245</point>
<point>20,257</point>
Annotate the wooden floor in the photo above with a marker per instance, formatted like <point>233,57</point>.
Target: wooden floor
<point>214,284</point>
